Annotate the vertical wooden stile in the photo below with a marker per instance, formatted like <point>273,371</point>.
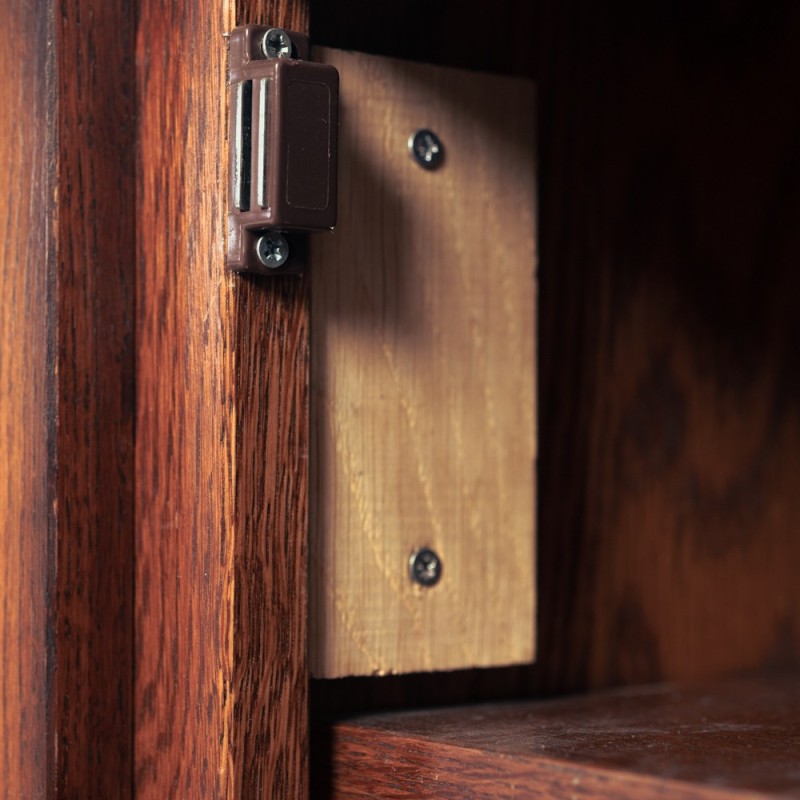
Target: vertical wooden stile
<point>221,684</point>
<point>95,298</point>
<point>66,400</point>
<point>27,395</point>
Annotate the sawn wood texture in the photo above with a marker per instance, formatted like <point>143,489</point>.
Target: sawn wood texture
<point>222,441</point>
<point>423,400</point>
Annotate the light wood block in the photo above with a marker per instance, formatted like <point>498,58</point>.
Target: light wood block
<point>423,376</point>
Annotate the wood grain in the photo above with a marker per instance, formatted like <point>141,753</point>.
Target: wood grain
<point>27,399</point>
<point>221,685</point>
<point>185,411</point>
<point>66,401</point>
<point>423,411</point>
<point>670,419</point>
<point>94,449</point>
<point>271,343</point>
<point>736,739</point>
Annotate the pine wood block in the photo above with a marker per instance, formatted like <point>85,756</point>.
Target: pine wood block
<point>423,386</point>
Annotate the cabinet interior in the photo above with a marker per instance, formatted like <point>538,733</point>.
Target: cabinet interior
<point>669,398</point>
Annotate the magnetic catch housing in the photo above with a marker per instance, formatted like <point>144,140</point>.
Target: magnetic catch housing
<point>284,118</point>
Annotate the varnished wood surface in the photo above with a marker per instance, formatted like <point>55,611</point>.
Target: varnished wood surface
<point>66,401</point>
<point>271,749</point>
<point>221,679</point>
<point>737,739</point>
<point>271,746</point>
<point>184,442</point>
<point>27,395</point>
<point>423,358</point>
<point>96,397</point>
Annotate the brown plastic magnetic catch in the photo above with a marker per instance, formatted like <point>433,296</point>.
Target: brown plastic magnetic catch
<point>284,116</point>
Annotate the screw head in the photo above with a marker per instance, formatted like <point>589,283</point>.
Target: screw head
<point>426,149</point>
<point>425,567</point>
<point>276,44</point>
<point>272,250</point>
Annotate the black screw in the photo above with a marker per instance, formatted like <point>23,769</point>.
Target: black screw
<point>272,250</point>
<point>425,567</point>
<point>276,44</point>
<point>426,149</point>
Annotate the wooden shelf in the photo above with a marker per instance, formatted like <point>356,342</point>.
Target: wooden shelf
<point>737,739</point>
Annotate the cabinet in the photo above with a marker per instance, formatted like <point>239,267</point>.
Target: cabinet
<point>154,483</point>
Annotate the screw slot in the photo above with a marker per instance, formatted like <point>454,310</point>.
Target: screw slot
<point>426,148</point>
<point>272,250</point>
<point>425,567</point>
<point>276,44</point>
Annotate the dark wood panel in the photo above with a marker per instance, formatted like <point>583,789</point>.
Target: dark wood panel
<point>270,667</point>
<point>66,400</point>
<point>222,441</point>
<point>95,307</point>
<point>271,746</point>
<point>738,739</point>
<point>457,33</point>
<point>271,341</point>
<point>670,341</point>
<point>27,393</point>
<point>185,410</point>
